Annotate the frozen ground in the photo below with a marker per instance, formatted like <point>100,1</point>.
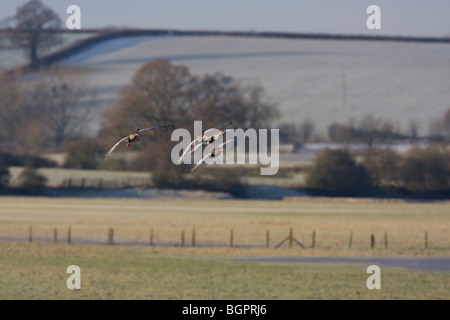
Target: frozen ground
<point>261,192</point>
<point>139,193</point>
<point>396,81</point>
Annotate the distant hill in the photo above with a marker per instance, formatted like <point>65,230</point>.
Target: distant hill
<point>326,78</point>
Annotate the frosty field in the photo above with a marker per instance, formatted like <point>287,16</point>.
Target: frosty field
<point>403,224</point>
<point>133,269</point>
<point>395,81</point>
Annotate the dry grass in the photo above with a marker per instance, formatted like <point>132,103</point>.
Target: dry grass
<point>132,219</point>
<point>38,270</point>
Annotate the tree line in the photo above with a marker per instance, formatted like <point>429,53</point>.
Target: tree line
<point>423,172</point>
<point>368,131</point>
<point>42,111</point>
<point>50,110</point>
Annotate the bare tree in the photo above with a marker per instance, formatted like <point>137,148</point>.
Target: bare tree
<point>289,131</point>
<point>32,29</point>
<point>219,98</point>
<point>369,127</point>
<point>306,129</point>
<point>58,99</point>
<point>12,114</point>
<point>262,111</point>
<point>157,94</point>
<point>440,128</point>
<point>162,93</point>
<point>424,170</point>
<point>383,166</point>
<point>413,129</point>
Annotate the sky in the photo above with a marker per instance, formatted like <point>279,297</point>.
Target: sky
<point>398,17</point>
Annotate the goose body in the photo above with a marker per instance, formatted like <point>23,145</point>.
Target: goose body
<point>213,153</point>
<point>207,138</point>
<point>131,138</point>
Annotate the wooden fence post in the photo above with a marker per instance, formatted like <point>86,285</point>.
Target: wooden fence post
<point>110,240</point>
<point>385,240</point>
<point>350,240</point>
<point>290,237</point>
<point>151,236</point>
<point>267,239</point>
<point>426,240</point>
<point>55,235</point>
<point>231,238</point>
<point>182,238</point>
<point>193,237</point>
<point>69,235</point>
<point>30,234</point>
<point>313,242</point>
<point>372,241</point>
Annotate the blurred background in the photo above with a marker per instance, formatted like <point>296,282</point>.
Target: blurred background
<point>360,112</point>
<point>364,159</point>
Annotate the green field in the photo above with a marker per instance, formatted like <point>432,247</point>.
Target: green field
<point>38,271</point>
<point>166,270</point>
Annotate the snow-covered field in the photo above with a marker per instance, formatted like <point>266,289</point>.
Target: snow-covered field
<point>396,81</point>
<point>10,59</point>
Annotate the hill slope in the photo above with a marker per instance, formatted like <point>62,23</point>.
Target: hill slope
<point>396,81</point>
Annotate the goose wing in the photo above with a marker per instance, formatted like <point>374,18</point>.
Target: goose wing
<point>151,128</point>
<point>186,150</point>
<point>228,141</point>
<point>200,162</point>
<point>115,146</point>
<point>209,154</point>
<point>219,127</point>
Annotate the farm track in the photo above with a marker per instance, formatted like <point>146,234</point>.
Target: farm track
<point>423,263</point>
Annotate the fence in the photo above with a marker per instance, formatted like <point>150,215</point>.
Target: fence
<point>98,183</point>
<point>289,241</point>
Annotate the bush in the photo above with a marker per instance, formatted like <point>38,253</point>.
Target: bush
<point>4,174</point>
<point>425,170</point>
<point>335,172</point>
<point>156,158</point>
<point>165,174</point>
<point>30,179</point>
<point>382,166</point>
<point>85,153</point>
<point>12,160</point>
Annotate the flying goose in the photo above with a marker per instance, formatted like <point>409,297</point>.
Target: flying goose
<point>132,137</point>
<point>213,153</point>
<point>207,138</point>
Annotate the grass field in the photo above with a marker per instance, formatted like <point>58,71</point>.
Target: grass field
<point>38,271</point>
<point>332,220</point>
<point>208,271</point>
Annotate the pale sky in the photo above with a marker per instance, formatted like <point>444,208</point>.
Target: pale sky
<point>398,17</point>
